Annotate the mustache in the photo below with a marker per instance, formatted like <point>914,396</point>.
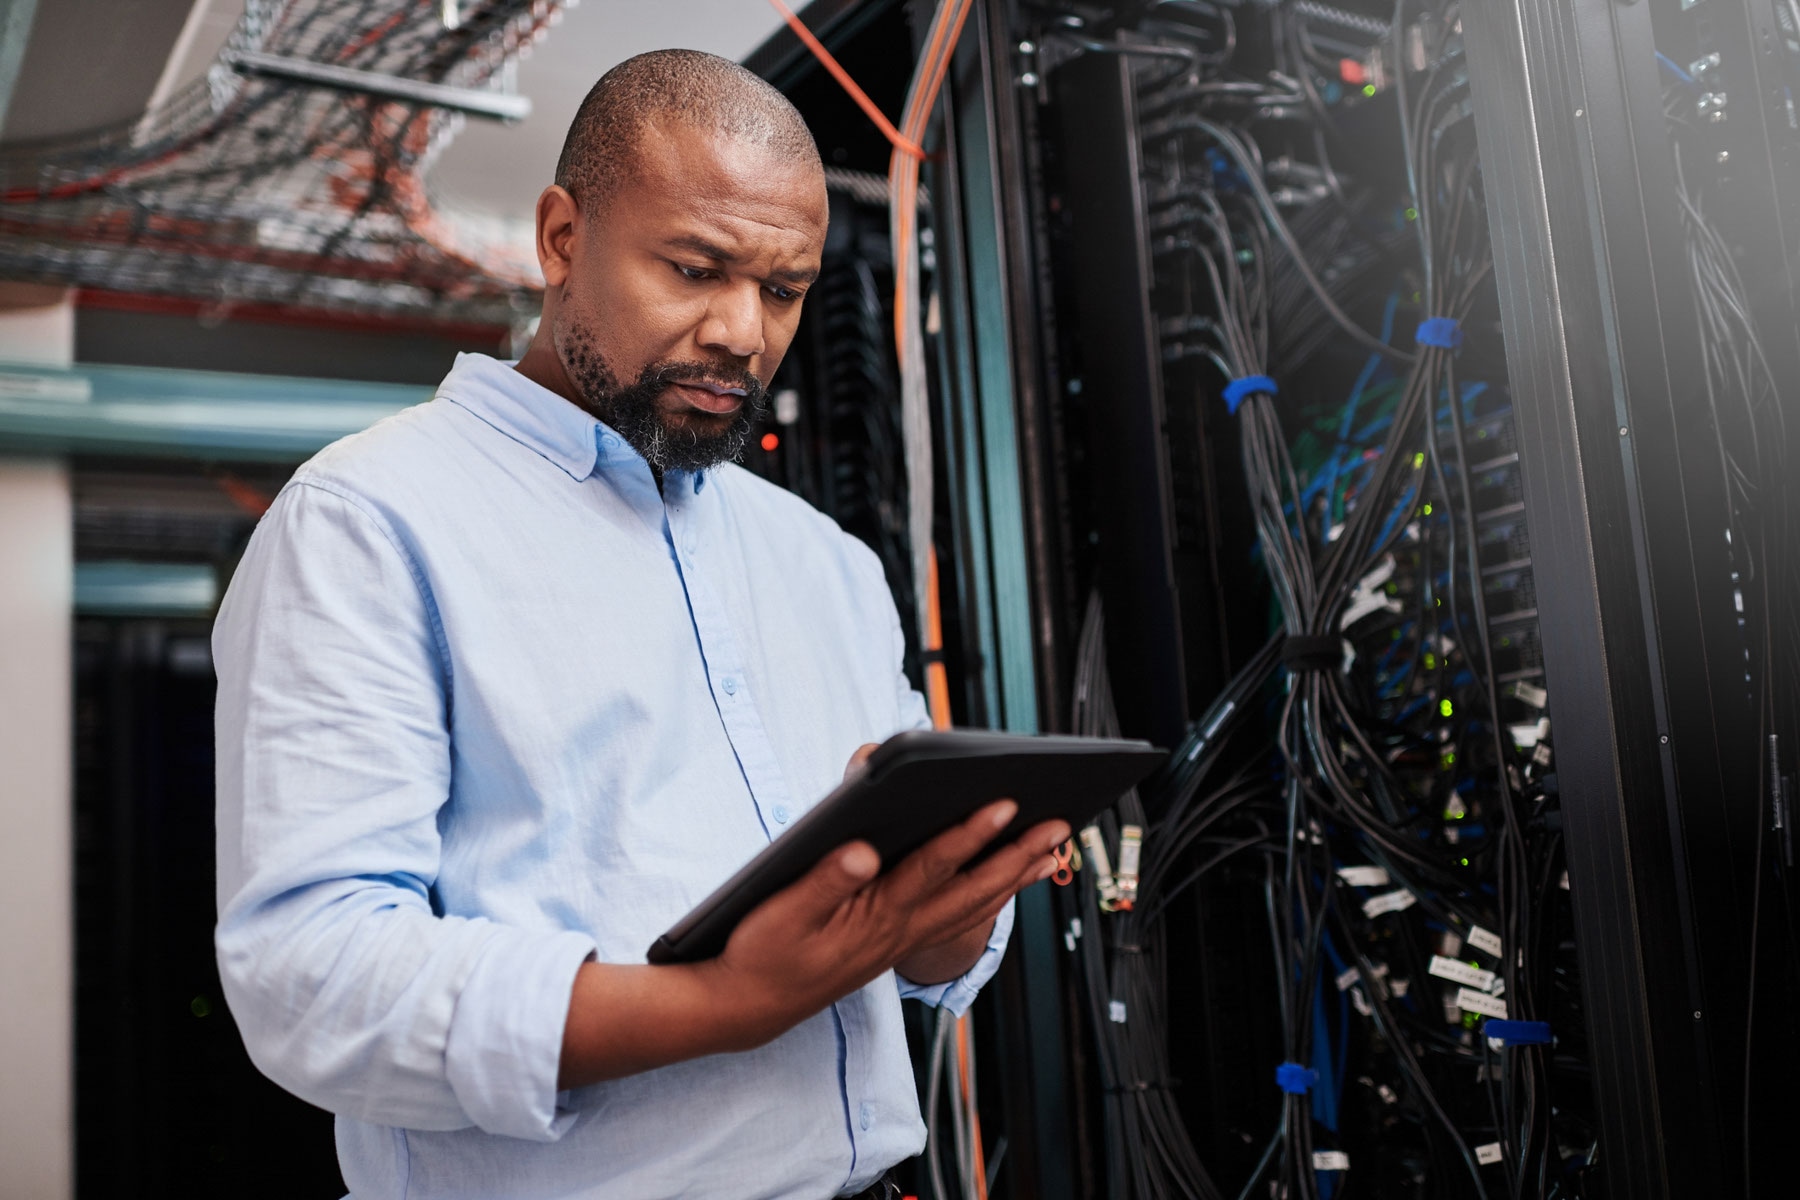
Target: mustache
<point>718,373</point>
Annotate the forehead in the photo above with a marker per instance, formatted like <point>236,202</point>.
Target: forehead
<point>685,180</point>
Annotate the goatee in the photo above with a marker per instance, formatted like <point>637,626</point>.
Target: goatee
<point>688,441</point>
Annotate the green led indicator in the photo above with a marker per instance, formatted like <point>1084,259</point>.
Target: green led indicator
<point>1445,707</point>
<point>1426,510</point>
<point>1418,460</point>
<point>1412,214</point>
<point>1368,89</point>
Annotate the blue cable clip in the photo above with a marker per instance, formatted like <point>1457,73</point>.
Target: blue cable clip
<point>1443,332</point>
<point>1295,1079</point>
<point>1237,389</point>
<point>1517,1033</point>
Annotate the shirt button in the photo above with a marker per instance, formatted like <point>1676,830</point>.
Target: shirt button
<point>610,442</point>
<point>730,685</point>
<point>781,815</point>
<point>689,543</point>
<point>867,1117</point>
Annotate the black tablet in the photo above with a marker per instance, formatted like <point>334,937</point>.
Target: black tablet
<point>917,785</point>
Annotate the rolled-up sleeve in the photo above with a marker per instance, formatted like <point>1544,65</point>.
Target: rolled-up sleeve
<point>334,762</point>
<point>959,994</point>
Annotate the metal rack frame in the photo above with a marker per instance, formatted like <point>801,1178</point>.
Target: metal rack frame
<point>1655,745</point>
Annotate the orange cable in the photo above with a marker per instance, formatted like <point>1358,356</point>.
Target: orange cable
<point>962,1075</point>
<point>901,143</point>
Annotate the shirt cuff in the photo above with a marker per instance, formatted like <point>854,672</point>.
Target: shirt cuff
<point>505,1045</point>
<point>959,994</point>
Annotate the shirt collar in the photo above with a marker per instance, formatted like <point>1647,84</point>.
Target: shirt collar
<point>532,414</point>
<point>535,416</point>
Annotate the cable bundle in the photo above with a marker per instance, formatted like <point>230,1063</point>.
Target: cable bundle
<point>1380,770</point>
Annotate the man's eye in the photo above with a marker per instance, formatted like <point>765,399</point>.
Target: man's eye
<point>785,295</point>
<point>695,274</point>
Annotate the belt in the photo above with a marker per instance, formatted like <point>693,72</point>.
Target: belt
<point>882,1189</point>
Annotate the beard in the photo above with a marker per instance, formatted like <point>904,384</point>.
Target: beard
<point>668,440</point>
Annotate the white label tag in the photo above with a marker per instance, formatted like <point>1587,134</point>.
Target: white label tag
<point>1564,882</point>
<point>1398,987</point>
<point>1458,971</point>
<point>1488,1154</point>
<point>1364,876</point>
<point>1397,900</point>
<point>1481,939</point>
<point>1361,1002</point>
<point>1350,976</point>
<point>1116,1010</point>
<point>1531,694</point>
<point>1330,1160</point>
<point>1470,1000</point>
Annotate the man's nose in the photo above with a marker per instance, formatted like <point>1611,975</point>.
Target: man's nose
<point>734,322</point>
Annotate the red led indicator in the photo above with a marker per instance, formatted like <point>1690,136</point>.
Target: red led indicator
<point>770,441</point>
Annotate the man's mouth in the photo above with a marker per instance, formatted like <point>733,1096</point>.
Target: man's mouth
<point>715,398</point>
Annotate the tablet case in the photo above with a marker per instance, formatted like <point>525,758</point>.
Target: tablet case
<point>916,785</point>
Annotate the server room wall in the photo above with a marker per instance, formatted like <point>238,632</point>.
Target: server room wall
<point>1267,282</point>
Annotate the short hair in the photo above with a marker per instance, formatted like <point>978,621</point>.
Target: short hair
<point>686,86</point>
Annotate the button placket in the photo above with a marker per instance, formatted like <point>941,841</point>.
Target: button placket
<point>718,647</point>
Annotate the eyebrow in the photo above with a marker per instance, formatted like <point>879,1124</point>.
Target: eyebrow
<point>701,246</point>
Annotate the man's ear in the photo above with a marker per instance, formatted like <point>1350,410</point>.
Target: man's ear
<point>556,213</point>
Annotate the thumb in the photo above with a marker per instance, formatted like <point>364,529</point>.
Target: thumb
<point>838,876</point>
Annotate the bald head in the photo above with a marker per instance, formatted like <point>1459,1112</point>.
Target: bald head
<point>666,88</point>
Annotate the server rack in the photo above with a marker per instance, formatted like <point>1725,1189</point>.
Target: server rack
<point>1665,770</point>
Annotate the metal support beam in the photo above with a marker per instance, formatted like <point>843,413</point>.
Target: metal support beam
<point>1652,730</point>
<point>494,106</point>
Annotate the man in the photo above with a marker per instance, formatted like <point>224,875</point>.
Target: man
<point>510,681</point>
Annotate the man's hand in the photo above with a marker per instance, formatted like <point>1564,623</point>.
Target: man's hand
<point>805,947</point>
<point>840,926</point>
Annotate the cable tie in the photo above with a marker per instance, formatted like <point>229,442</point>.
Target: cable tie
<point>1442,332</point>
<point>1295,1079</point>
<point>1517,1033</point>
<point>1238,389</point>
<point>1309,652</point>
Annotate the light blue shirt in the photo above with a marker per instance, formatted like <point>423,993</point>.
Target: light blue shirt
<point>491,702</point>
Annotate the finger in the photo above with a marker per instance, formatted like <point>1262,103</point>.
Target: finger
<point>859,761</point>
<point>1013,868</point>
<point>937,861</point>
<point>823,890</point>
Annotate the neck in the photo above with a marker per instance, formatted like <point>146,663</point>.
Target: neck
<point>543,366</point>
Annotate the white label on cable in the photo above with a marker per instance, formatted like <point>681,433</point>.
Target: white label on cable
<point>1397,900</point>
<point>1330,1160</point>
<point>1488,1154</point>
<point>1470,1000</point>
<point>1387,1093</point>
<point>1361,1002</point>
<point>1398,987</point>
<point>1458,971</point>
<point>1485,941</point>
<point>1069,940</point>
<point>1364,876</point>
<point>1493,1044</point>
<point>1116,1010</point>
<point>1531,694</point>
<point>1564,882</point>
<point>1349,976</point>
